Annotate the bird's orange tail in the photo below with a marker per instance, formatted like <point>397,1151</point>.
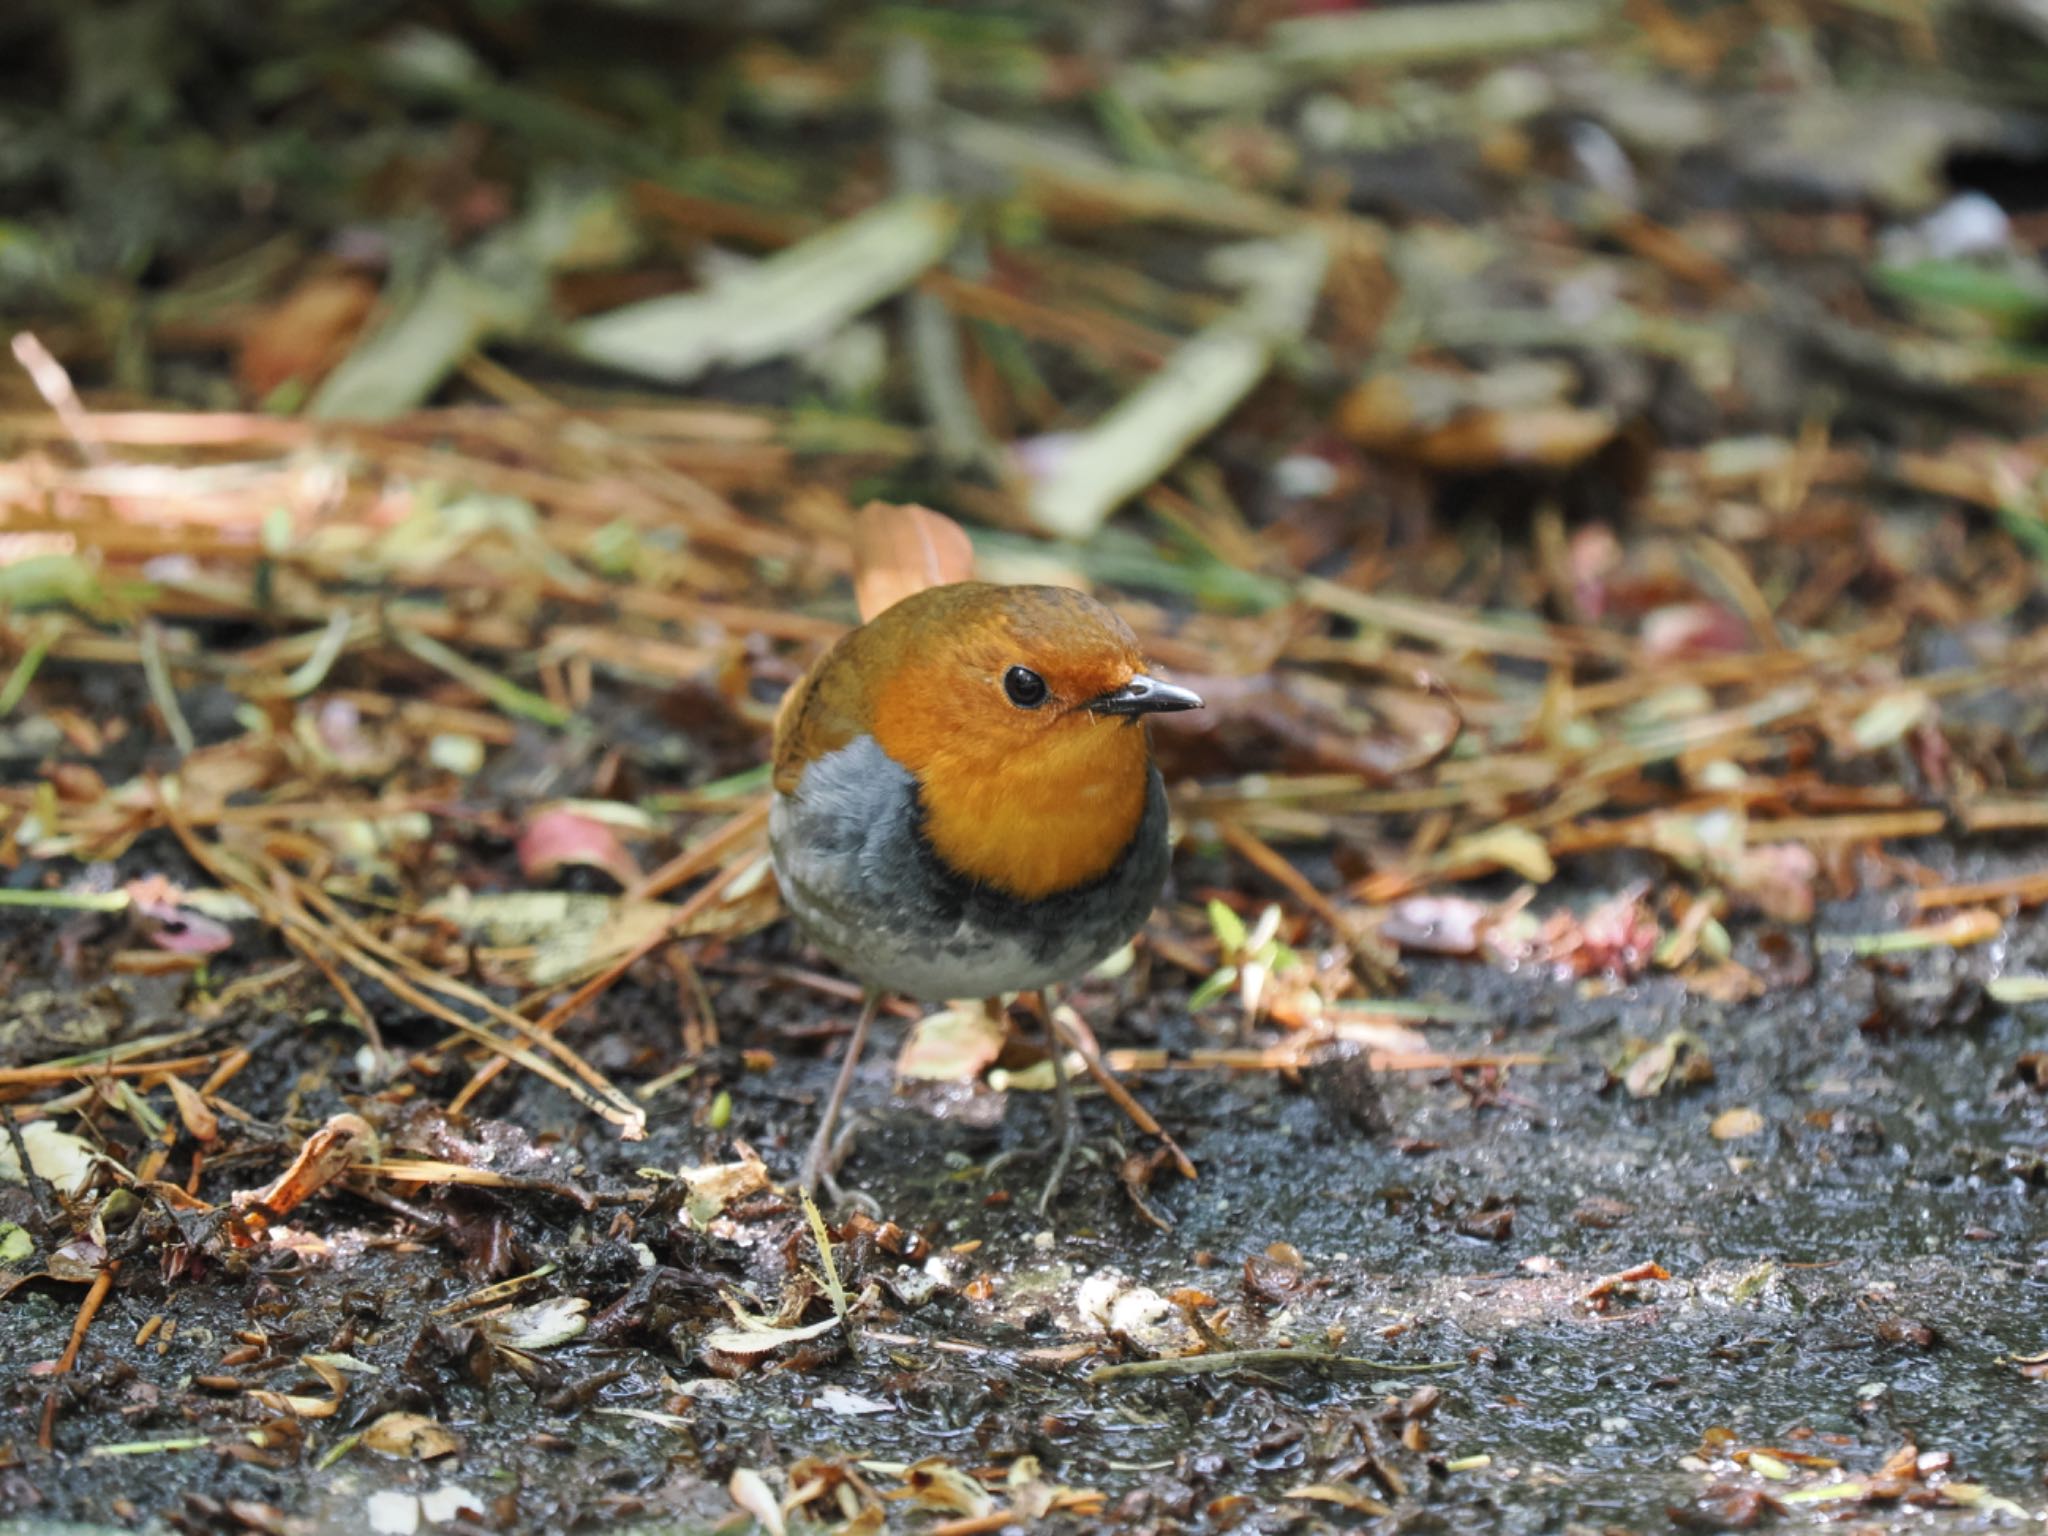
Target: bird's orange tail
<point>901,549</point>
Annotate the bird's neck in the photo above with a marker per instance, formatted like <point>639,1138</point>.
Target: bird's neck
<point>1053,823</point>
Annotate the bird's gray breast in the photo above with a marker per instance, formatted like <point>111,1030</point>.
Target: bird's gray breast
<point>867,887</point>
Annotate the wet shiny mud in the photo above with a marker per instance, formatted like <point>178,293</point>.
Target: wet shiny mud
<point>1863,1267</point>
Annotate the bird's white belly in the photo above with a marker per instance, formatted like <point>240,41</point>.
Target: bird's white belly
<point>968,963</point>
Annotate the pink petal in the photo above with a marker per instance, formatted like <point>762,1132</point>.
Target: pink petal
<point>559,837</point>
<point>1692,629</point>
<point>168,925</point>
<point>1437,925</point>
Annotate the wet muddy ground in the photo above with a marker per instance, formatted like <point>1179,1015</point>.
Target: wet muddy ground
<point>1696,363</point>
<point>1866,1269</point>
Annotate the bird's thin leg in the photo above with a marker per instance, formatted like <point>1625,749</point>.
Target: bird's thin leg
<point>817,1167</point>
<point>1066,1124</point>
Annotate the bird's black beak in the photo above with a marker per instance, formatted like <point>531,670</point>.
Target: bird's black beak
<point>1144,695</point>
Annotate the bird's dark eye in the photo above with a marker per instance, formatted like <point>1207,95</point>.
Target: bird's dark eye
<point>1026,689</point>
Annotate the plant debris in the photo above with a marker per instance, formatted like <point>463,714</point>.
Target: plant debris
<point>1590,461</point>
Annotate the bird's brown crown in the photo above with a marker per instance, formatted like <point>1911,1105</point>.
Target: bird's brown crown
<point>1032,795</point>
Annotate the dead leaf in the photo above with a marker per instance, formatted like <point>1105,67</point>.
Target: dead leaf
<point>953,1045</point>
<point>304,335</point>
<point>1447,423</point>
<point>569,931</point>
<point>1617,938</point>
<point>201,1123</point>
<point>1724,1507</point>
<point>839,1400</point>
<point>1340,1494</point>
<point>937,1484</point>
<point>1598,1292</point>
<point>750,1343</point>
<point>1437,925</point>
<point>1492,1224</point>
<point>391,1512</point>
<point>901,549</point>
<point>410,1437</point>
<point>1515,849</point>
<point>1679,1057</point>
<point>1887,722</point>
<point>298,1406</point>
<point>80,1260</point>
<point>543,1325</point>
<point>750,1491</point>
<point>715,1186</point>
<point>444,1504</point>
<point>1974,1496</point>
<point>65,1160</point>
<point>323,1157</point>
<point>1735,1124</point>
<point>1777,878</point>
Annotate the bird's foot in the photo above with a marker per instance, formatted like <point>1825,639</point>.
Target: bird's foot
<point>832,1141</point>
<point>1066,1124</point>
<point>1060,1146</point>
<point>828,1152</point>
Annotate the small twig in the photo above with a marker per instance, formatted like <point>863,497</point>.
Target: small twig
<point>979,1525</point>
<point>1232,1360</point>
<point>38,1186</point>
<point>934,340</point>
<point>312,672</point>
<point>501,691</point>
<point>490,1295</point>
<point>24,673</point>
<point>353,1004</point>
<point>701,855</point>
<point>230,1065</point>
<point>156,672</point>
<point>1971,925</point>
<point>426,1170</point>
<point>2024,890</point>
<point>700,1033</point>
<point>1261,855</point>
<point>353,944</point>
<point>1291,1057</point>
<point>598,985</point>
<point>360,948</point>
<point>1456,628</point>
<point>87,1311</point>
<point>1119,1095</point>
<point>823,1239</point>
<point>55,386</point>
<point>70,1071</point>
<point>67,901</point>
<point>151,1447</point>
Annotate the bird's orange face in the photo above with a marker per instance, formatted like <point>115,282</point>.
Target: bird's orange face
<point>1019,711</point>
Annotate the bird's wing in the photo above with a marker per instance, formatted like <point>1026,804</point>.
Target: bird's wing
<point>806,727</point>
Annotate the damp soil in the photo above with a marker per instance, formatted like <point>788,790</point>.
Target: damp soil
<point>1865,1270</point>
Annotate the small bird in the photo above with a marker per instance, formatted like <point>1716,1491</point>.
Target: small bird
<point>965,802</point>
